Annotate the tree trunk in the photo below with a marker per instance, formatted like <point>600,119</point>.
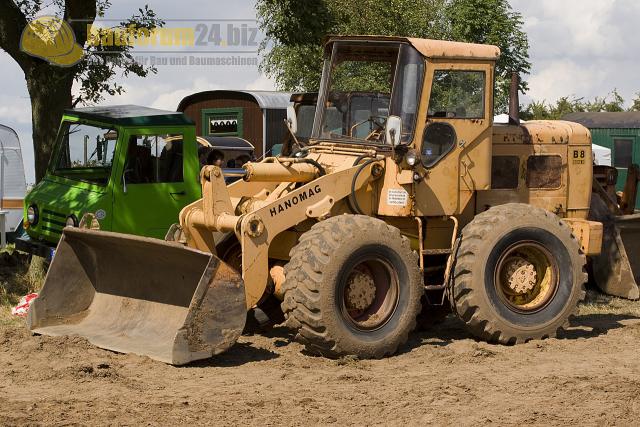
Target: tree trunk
<point>50,91</point>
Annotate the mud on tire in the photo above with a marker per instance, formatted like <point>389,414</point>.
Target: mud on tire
<point>352,287</point>
<point>519,274</point>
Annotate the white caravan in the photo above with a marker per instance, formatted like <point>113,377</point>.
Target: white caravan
<point>13,186</point>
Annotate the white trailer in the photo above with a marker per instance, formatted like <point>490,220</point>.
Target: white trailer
<point>13,186</point>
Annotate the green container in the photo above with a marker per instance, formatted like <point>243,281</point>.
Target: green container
<point>619,132</point>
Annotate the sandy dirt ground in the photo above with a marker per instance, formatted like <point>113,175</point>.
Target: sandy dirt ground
<point>588,376</point>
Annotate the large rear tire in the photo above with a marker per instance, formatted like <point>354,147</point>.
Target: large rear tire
<point>519,274</point>
<point>352,287</point>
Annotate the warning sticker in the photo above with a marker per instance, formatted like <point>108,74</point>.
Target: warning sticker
<point>397,197</point>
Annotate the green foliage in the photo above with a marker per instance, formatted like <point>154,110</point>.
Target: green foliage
<point>101,64</point>
<point>636,103</point>
<point>541,110</point>
<point>458,92</point>
<point>493,22</point>
<point>50,86</point>
<point>292,52</point>
<point>362,77</point>
<point>95,74</point>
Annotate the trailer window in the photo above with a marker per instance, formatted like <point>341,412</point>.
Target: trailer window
<point>85,152</point>
<point>544,172</point>
<point>222,122</point>
<point>504,172</point>
<point>622,153</point>
<point>154,159</point>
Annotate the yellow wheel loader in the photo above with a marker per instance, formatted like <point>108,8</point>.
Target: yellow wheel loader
<point>406,199</point>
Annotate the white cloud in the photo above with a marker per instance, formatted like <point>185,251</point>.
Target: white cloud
<point>171,99</point>
<point>564,77</point>
<point>578,47</point>
<point>15,109</point>
<point>261,83</point>
<point>584,48</point>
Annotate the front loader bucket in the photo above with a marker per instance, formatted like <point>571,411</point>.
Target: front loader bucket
<point>616,271</point>
<point>139,295</point>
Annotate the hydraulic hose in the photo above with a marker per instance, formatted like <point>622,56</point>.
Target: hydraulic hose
<point>318,166</point>
<point>353,202</point>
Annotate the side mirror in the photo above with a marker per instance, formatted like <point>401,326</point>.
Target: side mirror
<point>393,130</point>
<point>292,120</point>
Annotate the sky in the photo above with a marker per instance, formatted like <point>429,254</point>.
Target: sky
<point>582,48</point>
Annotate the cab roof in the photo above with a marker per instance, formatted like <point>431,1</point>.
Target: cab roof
<point>131,115</point>
<point>433,49</point>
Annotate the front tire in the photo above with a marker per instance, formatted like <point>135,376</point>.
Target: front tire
<point>352,287</point>
<point>519,274</point>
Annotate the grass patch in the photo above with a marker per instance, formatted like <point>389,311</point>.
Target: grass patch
<point>15,279</point>
<point>8,319</point>
<point>598,303</point>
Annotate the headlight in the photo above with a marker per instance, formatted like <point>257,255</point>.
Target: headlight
<point>72,221</point>
<point>32,215</point>
<point>411,158</point>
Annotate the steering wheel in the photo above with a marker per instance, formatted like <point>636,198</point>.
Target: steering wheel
<point>373,120</point>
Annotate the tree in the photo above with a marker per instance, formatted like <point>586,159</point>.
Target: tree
<point>541,110</point>
<point>636,103</point>
<point>49,85</point>
<point>295,29</point>
<point>493,22</point>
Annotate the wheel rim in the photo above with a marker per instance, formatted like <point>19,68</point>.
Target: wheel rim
<point>369,294</point>
<point>526,277</point>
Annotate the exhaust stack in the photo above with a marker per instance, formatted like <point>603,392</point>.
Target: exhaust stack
<point>514,100</point>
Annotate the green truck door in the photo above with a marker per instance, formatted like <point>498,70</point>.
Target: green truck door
<point>158,178</point>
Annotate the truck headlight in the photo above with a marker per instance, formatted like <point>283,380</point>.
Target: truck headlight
<point>411,158</point>
<point>33,215</point>
<point>72,221</point>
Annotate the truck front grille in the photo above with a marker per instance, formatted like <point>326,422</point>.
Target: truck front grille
<point>52,221</point>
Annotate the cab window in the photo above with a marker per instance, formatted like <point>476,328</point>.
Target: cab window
<point>438,140</point>
<point>85,152</point>
<point>154,159</point>
<point>305,115</point>
<point>457,94</point>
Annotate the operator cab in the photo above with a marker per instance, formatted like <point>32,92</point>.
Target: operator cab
<point>363,83</point>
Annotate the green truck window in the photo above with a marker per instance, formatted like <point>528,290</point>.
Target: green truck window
<point>86,153</point>
<point>154,159</point>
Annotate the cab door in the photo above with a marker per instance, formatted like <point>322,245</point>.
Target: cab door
<point>455,139</point>
<point>158,177</point>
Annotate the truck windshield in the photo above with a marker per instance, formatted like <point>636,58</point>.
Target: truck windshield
<point>362,84</point>
<point>85,152</point>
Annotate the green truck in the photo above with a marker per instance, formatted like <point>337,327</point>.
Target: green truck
<point>134,168</point>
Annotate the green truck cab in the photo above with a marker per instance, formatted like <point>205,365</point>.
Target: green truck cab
<point>134,168</point>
